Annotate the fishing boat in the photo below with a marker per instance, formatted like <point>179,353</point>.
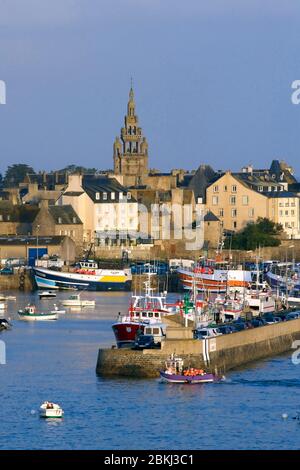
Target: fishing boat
<point>291,298</point>
<point>30,313</point>
<point>210,277</point>
<point>145,309</point>
<point>176,373</point>
<point>51,410</point>
<point>86,277</point>
<point>76,301</point>
<point>47,294</point>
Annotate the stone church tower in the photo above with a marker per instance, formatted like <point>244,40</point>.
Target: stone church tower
<point>131,150</point>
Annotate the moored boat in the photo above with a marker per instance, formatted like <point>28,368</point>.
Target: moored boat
<point>144,310</point>
<point>30,313</point>
<point>83,279</point>
<point>76,301</point>
<point>210,278</point>
<point>47,294</point>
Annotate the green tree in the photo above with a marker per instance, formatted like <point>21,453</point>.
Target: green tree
<point>264,232</point>
<point>16,173</point>
<point>71,169</point>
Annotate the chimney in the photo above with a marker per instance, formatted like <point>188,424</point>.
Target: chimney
<point>44,204</point>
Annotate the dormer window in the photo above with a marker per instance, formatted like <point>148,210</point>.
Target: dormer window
<point>59,220</point>
<point>1,217</point>
<point>128,195</point>
<point>8,218</point>
<point>260,189</point>
<point>104,196</point>
<point>97,196</point>
<point>120,196</point>
<point>113,196</point>
<point>74,220</point>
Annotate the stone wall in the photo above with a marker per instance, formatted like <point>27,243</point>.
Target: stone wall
<point>217,354</point>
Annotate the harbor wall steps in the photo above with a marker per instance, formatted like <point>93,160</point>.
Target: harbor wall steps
<point>218,354</point>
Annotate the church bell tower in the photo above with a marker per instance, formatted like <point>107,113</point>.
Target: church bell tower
<point>131,148</point>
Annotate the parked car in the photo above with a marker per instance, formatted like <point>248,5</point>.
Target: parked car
<point>145,342</point>
<point>225,329</point>
<point>240,325</point>
<point>292,316</point>
<point>269,318</point>
<point>6,270</point>
<point>204,333</point>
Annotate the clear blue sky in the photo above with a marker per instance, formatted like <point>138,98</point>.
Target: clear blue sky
<point>212,80</point>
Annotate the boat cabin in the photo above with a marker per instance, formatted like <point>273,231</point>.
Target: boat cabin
<point>145,315</point>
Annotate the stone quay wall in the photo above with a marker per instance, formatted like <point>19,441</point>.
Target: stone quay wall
<point>218,354</point>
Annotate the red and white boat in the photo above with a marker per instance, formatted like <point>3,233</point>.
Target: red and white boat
<point>211,278</point>
<point>144,309</point>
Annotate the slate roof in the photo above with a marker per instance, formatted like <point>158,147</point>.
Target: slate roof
<point>211,217</point>
<point>203,178</point>
<point>21,214</point>
<point>102,184</point>
<point>65,215</point>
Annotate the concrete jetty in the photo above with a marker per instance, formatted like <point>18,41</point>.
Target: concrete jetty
<point>218,354</point>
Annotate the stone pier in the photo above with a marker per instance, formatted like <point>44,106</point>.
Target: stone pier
<point>218,354</point>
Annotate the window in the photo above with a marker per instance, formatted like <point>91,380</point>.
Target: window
<point>8,218</point>
<point>287,204</point>
<point>233,213</point>
<point>216,189</point>
<point>215,200</point>
<point>233,188</point>
<point>245,200</point>
<point>286,212</point>
<point>293,213</point>
<point>121,196</point>
<point>225,188</point>
<point>97,196</point>
<point>1,217</point>
<point>59,220</point>
<point>128,195</point>
<point>221,212</point>
<point>232,200</point>
<point>234,224</point>
<point>281,213</point>
<point>104,196</point>
<point>74,220</point>
<point>260,189</point>
<point>113,196</point>
<point>270,188</point>
<point>251,212</point>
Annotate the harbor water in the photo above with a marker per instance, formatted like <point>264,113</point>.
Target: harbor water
<point>56,361</point>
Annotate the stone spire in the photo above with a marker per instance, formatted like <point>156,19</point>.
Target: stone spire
<point>131,150</point>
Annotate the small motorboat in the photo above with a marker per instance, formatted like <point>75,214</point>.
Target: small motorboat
<point>47,294</point>
<point>57,310</point>
<point>75,301</point>
<point>51,410</point>
<point>4,324</point>
<point>29,313</point>
<point>176,373</point>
